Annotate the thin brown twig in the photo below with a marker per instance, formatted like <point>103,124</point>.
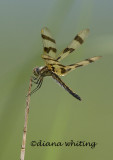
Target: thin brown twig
<point>22,154</point>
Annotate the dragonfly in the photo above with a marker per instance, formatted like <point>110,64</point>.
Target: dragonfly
<point>53,67</point>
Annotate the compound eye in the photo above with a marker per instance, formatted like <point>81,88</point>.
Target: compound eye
<point>37,70</point>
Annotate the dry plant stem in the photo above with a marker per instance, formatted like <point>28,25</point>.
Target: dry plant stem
<point>22,154</point>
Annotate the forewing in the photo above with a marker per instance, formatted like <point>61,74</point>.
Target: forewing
<point>78,40</point>
<point>49,43</point>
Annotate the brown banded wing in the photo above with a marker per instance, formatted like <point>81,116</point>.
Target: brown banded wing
<point>49,43</point>
<point>76,42</point>
<point>62,70</point>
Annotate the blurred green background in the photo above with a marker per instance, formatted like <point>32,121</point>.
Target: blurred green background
<point>54,114</point>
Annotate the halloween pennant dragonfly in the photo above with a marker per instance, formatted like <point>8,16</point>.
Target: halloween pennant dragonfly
<point>53,67</point>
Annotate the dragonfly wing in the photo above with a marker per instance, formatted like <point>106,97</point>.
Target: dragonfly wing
<point>49,43</point>
<point>49,60</point>
<point>82,63</point>
<point>62,70</point>
<point>76,42</point>
<point>62,84</point>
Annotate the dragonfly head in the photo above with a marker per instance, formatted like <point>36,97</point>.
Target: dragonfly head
<point>36,71</point>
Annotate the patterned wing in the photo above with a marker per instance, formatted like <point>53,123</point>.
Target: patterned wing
<point>62,70</point>
<point>49,43</point>
<point>82,63</point>
<point>78,40</point>
<point>49,60</point>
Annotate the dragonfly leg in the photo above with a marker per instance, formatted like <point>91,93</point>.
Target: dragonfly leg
<point>39,82</point>
<point>35,79</point>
